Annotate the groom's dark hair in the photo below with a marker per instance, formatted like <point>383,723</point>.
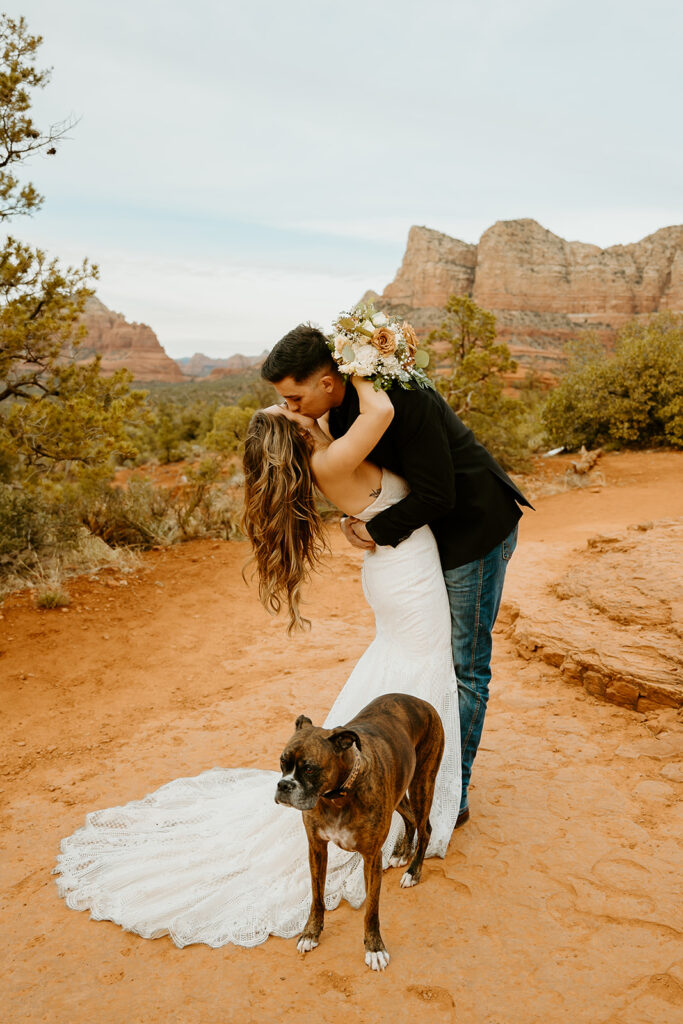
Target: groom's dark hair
<point>299,354</point>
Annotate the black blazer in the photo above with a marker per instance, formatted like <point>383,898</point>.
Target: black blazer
<point>456,486</point>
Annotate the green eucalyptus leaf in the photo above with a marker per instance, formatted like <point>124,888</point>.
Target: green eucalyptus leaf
<point>421,359</point>
<point>348,355</point>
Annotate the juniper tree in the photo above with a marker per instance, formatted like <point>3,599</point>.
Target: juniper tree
<point>53,412</point>
<point>473,384</point>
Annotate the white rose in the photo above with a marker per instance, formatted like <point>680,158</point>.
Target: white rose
<point>391,364</point>
<point>379,320</point>
<point>367,358</point>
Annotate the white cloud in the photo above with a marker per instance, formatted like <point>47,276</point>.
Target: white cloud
<point>220,309</point>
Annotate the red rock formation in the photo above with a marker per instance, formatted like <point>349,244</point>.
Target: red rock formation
<point>542,288</point>
<point>200,365</point>
<point>434,267</point>
<point>612,621</point>
<point>522,266</point>
<point>122,344</point>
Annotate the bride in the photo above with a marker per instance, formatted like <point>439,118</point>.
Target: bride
<point>214,859</point>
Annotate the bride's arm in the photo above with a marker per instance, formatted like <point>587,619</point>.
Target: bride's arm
<point>345,454</point>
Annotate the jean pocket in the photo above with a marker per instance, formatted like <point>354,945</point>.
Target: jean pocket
<point>509,544</point>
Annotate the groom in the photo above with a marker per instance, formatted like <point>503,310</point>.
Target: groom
<point>456,487</point>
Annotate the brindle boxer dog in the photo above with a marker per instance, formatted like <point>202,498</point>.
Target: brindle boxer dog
<point>348,782</point>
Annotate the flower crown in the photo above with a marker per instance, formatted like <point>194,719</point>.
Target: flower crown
<point>368,343</point>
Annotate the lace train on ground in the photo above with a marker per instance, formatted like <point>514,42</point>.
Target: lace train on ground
<point>214,859</point>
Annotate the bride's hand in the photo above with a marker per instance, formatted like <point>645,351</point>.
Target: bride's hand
<point>356,533</point>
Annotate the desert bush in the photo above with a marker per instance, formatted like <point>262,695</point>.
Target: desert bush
<point>52,596</point>
<point>133,517</point>
<point>630,398</point>
<point>83,524</point>
<point>143,515</point>
<point>184,420</point>
<point>33,526</point>
<point>170,431</point>
<point>230,424</point>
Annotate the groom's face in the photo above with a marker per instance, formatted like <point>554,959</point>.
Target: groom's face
<point>313,396</point>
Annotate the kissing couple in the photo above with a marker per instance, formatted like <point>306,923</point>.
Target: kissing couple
<point>213,859</point>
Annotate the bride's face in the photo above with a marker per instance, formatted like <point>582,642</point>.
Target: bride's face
<point>311,397</point>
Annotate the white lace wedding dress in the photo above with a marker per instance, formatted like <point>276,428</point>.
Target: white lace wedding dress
<point>213,858</point>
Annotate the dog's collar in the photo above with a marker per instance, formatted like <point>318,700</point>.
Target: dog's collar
<point>350,779</point>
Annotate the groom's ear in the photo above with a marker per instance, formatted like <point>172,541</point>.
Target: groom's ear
<point>301,722</point>
<point>343,739</point>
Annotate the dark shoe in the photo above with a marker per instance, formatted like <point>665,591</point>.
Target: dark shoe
<point>462,817</point>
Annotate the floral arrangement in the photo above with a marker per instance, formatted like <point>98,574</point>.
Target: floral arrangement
<point>368,343</point>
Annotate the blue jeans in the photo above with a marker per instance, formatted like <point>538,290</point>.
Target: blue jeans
<point>474,592</point>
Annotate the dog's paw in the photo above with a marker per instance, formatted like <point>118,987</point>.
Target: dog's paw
<point>397,862</point>
<point>305,945</point>
<point>407,880</point>
<point>378,961</point>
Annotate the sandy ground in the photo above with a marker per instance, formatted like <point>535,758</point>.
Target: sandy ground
<point>560,900</point>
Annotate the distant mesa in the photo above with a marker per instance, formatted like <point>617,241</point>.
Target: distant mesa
<point>121,344</point>
<point>543,289</point>
<point>136,347</point>
<point>210,368</point>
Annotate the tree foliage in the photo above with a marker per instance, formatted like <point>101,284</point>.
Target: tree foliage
<point>54,414</point>
<point>474,384</point>
<point>632,397</point>
<point>19,136</point>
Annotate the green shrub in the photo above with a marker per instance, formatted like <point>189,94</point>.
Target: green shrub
<point>630,398</point>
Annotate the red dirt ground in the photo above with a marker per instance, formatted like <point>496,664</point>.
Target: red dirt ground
<point>558,902</point>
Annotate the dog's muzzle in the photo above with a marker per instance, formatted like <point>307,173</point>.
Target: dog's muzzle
<point>289,792</point>
<point>284,791</point>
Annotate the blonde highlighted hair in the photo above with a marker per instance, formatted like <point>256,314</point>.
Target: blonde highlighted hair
<point>280,516</point>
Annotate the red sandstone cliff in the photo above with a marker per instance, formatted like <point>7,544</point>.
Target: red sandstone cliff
<point>542,288</point>
<point>122,344</point>
<point>203,366</point>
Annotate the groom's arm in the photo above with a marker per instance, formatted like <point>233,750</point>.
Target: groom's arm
<point>419,433</point>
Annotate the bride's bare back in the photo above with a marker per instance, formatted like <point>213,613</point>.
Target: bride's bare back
<point>350,492</point>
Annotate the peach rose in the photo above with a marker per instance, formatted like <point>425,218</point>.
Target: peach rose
<point>384,341</point>
<point>410,338</point>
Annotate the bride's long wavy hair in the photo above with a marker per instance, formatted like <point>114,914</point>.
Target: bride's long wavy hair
<point>280,515</point>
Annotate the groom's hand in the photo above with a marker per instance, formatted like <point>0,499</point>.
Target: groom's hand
<point>356,533</point>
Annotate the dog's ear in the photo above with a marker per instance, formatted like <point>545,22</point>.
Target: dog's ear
<point>342,739</point>
<point>301,722</point>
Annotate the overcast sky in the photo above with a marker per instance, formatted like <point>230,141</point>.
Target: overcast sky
<point>240,167</point>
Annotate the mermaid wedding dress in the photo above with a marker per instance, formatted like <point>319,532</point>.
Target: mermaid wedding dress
<point>213,858</point>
